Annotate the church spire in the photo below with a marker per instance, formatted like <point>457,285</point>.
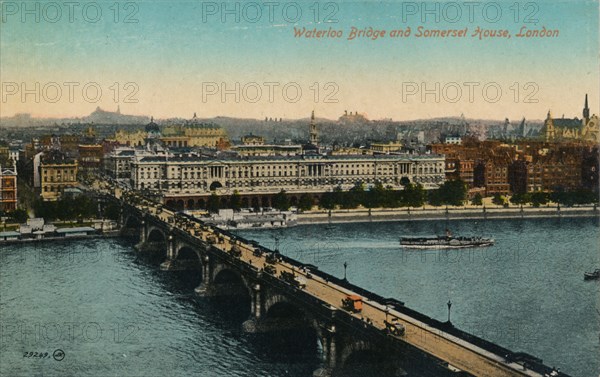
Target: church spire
<point>549,126</point>
<point>586,110</point>
<point>314,135</point>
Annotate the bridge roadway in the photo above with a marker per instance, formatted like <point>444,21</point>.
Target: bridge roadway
<point>457,352</point>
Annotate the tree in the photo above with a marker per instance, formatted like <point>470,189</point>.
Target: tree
<point>19,215</point>
<point>281,201</point>
<point>538,198</point>
<point>306,202</point>
<point>520,198</point>
<point>46,210</point>
<point>235,201</point>
<point>213,203</point>
<point>327,200</point>
<point>404,181</point>
<point>414,195</point>
<point>354,197</point>
<point>453,192</point>
<point>477,200</point>
<point>435,197</point>
<point>498,199</point>
<point>338,196</point>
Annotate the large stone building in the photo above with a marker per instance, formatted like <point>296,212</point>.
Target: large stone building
<point>526,166</point>
<point>560,169</point>
<point>188,181</point>
<point>57,172</point>
<point>117,163</point>
<point>90,156</point>
<point>131,138</point>
<point>8,188</point>
<point>194,133</point>
<point>585,129</point>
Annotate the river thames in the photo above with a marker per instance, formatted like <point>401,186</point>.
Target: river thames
<point>92,308</point>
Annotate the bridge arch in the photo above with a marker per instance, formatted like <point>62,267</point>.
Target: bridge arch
<point>279,306</point>
<point>291,328</point>
<point>229,282</point>
<point>156,235</point>
<point>189,255</point>
<point>360,358</point>
<point>155,247</point>
<point>132,221</point>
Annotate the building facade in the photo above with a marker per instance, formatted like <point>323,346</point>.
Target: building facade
<point>8,188</point>
<point>195,134</point>
<point>585,129</point>
<point>56,173</point>
<point>194,177</point>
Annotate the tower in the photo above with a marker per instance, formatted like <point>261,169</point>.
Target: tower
<point>586,111</point>
<point>314,135</point>
<point>549,125</point>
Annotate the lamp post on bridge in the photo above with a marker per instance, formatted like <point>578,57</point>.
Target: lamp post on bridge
<point>345,267</point>
<point>449,306</point>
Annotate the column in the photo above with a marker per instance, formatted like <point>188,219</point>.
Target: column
<point>170,247</point>
<point>332,351</point>
<point>204,288</point>
<point>143,232</point>
<point>257,307</point>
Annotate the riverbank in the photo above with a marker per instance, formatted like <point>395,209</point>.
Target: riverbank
<point>106,234</point>
<point>443,213</point>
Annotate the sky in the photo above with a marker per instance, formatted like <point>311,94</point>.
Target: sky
<point>243,59</point>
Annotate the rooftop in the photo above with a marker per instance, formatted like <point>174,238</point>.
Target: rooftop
<point>408,157</point>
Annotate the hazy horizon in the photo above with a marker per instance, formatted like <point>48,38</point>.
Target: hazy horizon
<point>162,58</point>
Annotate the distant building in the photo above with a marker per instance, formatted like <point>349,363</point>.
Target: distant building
<point>589,169</point>
<point>56,173</point>
<point>117,163</point>
<point>453,139</point>
<point>194,133</point>
<point>585,129</point>
<point>386,148</point>
<point>4,153</point>
<point>132,139</point>
<point>67,143</point>
<point>8,188</point>
<point>265,150</point>
<point>90,157</point>
<point>253,140</point>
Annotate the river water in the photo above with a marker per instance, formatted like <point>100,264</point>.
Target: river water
<point>96,309</point>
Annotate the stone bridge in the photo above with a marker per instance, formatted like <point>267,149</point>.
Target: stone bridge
<point>351,343</point>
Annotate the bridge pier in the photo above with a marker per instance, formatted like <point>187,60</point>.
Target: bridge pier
<point>204,289</point>
<point>171,264</point>
<point>329,343</point>
<point>253,324</point>
<point>143,233</point>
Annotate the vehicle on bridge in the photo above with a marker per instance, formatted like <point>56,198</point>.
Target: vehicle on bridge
<point>293,279</point>
<point>352,303</point>
<point>235,251</point>
<point>273,258</point>
<point>257,252</point>
<point>394,327</point>
<point>270,269</point>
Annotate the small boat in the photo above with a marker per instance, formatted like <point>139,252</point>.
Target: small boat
<point>444,242</point>
<point>592,275</point>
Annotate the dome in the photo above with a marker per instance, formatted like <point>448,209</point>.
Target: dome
<point>152,127</point>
